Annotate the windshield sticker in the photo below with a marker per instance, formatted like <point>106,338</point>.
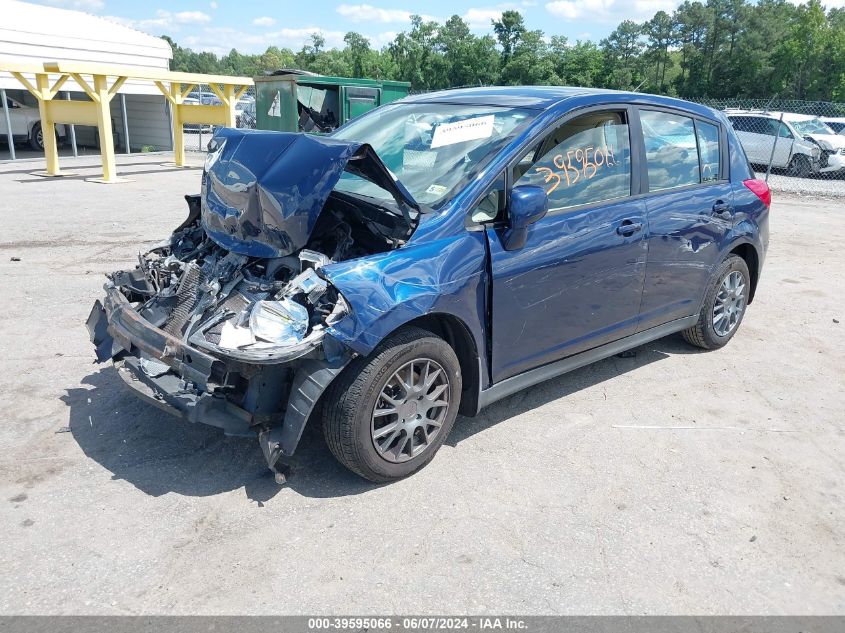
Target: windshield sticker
<point>437,190</point>
<point>461,131</point>
<point>589,168</point>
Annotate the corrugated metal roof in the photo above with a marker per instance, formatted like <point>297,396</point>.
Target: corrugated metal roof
<point>34,33</point>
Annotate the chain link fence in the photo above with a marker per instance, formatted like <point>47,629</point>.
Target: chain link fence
<point>798,146</point>
<point>198,136</point>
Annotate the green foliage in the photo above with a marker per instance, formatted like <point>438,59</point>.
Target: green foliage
<point>716,48</point>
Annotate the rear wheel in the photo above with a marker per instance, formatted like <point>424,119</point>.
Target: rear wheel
<point>387,415</point>
<point>724,306</point>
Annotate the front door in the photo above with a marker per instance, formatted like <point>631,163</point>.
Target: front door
<point>577,282</point>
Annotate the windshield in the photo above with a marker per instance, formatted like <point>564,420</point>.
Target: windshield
<point>432,148</point>
<point>812,126</point>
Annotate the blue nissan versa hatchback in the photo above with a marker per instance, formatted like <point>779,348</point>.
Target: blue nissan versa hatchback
<point>430,257</point>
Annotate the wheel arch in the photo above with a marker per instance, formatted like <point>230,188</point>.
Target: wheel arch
<point>748,252</point>
<point>458,335</point>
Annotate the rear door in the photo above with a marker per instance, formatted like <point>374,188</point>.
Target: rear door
<point>689,209</point>
<point>577,283</point>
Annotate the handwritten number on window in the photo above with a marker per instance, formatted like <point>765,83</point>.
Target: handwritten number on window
<point>591,160</point>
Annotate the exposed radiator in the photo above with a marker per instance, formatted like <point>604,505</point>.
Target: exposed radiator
<point>187,297</point>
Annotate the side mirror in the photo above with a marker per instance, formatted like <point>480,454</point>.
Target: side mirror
<point>529,203</point>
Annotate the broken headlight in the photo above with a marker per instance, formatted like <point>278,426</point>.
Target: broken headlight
<point>282,322</point>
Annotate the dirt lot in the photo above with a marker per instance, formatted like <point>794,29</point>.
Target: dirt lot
<point>672,482</point>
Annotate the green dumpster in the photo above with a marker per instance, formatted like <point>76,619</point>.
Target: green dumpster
<point>298,101</point>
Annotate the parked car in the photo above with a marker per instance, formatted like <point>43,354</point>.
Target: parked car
<point>813,129</point>
<point>26,125</point>
<point>837,124</point>
<point>246,118</point>
<point>765,138</point>
<point>431,257</point>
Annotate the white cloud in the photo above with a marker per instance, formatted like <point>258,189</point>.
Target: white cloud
<point>210,37</point>
<point>296,38</point>
<point>212,4</point>
<point>609,10</point>
<point>369,13</point>
<point>480,18</point>
<point>264,21</point>
<point>647,8</point>
<point>80,5</point>
<point>164,21</point>
<point>191,17</point>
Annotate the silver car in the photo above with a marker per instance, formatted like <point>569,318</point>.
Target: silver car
<point>765,138</point>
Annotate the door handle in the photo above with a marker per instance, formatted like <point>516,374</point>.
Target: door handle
<point>722,210</point>
<point>628,227</point>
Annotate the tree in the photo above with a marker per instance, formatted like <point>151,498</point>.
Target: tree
<point>798,57</point>
<point>509,30</point>
<point>468,60</point>
<point>719,48</point>
<point>530,62</point>
<point>581,64</point>
<point>660,33</point>
<point>416,58</point>
<point>359,53</point>
<point>623,56</point>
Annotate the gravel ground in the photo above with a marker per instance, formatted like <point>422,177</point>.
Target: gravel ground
<point>832,185</point>
<point>672,482</point>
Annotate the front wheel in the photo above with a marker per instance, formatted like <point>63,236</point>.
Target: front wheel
<point>388,413</point>
<point>800,166</point>
<point>724,306</point>
<point>36,138</point>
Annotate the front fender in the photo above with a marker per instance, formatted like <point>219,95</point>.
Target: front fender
<point>388,290</point>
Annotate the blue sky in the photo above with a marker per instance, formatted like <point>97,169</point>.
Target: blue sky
<point>219,25</point>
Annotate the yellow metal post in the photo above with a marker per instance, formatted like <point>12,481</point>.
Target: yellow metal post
<point>48,129</point>
<point>178,126</point>
<point>230,102</point>
<point>97,111</point>
<point>101,90</point>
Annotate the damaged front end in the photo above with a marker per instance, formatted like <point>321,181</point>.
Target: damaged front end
<point>229,321</point>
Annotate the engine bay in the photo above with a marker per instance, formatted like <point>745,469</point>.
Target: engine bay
<point>256,310</point>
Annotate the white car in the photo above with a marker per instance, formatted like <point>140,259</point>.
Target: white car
<point>26,125</point>
<point>831,144</point>
<point>765,138</point>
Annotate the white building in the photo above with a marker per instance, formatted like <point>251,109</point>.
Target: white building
<point>32,33</point>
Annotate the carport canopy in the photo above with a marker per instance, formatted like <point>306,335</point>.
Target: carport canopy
<point>105,81</point>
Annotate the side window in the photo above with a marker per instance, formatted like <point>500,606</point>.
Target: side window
<point>708,149</point>
<point>492,203</point>
<point>671,150</point>
<point>587,159</point>
<point>769,127</point>
<point>784,132</point>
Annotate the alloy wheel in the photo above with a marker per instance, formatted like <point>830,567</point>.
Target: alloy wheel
<point>410,410</point>
<point>729,303</point>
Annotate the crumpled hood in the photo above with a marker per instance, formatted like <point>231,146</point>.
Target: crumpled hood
<point>263,191</point>
<point>833,142</point>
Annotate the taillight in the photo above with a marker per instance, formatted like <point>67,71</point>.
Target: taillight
<point>760,188</point>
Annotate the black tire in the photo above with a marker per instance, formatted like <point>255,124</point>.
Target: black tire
<point>36,138</point>
<point>703,334</point>
<point>351,398</point>
<point>800,166</point>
